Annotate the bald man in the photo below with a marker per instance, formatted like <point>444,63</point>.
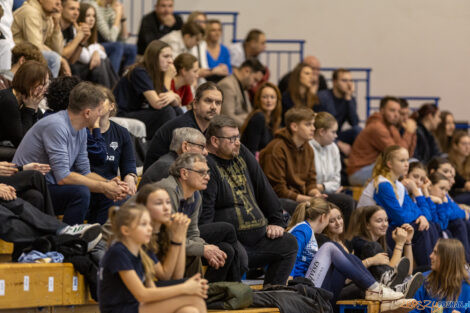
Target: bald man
<point>315,64</point>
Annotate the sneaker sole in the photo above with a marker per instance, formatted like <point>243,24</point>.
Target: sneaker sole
<point>403,268</point>
<point>92,236</point>
<point>416,282</point>
<point>401,309</point>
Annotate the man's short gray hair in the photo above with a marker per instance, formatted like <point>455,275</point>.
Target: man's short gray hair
<point>185,134</point>
<point>185,160</point>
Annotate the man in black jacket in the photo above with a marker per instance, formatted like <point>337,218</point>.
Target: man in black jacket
<point>239,193</point>
<point>207,103</point>
<point>157,24</point>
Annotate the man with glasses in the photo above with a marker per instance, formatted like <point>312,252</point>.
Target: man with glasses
<point>207,103</point>
<point>190,174</point>
<point>185,139</point>
<point>240,194</point>
<point>341,103</point>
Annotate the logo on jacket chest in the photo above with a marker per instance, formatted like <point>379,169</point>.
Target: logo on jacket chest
<point>114,145</point>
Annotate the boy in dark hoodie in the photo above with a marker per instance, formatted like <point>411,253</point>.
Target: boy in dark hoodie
<point>288,160</point>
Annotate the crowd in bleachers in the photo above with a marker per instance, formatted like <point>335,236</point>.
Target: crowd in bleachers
<point>237,174</point>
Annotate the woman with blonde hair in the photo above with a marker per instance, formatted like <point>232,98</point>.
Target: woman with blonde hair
<point>393,196</point>
<point>261,124</point>
<point>447,286</point>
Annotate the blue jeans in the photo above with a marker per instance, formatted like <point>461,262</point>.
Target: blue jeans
<point>360,177</point>
<point>72,201</point>
<point>118,52</point>
<point>99,206</point>
<point>332,265</point>
<point>53,62</point>
<point>349,135</point>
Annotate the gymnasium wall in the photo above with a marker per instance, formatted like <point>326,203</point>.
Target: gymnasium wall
<point>415,47</point>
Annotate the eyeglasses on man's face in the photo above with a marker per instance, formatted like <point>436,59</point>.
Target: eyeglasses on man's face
<point>201,172</point>
<point>232,139</point>
<point>201,146</point>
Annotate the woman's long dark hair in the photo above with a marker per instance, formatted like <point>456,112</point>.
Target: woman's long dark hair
<point>151,63</point>
<point>160,242</point>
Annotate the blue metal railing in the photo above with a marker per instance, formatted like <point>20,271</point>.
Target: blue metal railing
<point>281,55</point>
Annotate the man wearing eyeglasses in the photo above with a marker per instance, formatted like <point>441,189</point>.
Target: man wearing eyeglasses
<point>240,194</point>
<point>190,174</point>
<point>207,103</point>
<point>185,139</point>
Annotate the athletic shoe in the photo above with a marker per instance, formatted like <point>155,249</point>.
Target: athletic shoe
<point>78,229</point>
<point>90,233</point>
<point>410,287</point>
<point>398,306</point>
<point>382,293</point>
<point>395,276</point>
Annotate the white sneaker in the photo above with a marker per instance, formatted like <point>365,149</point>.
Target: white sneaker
<point>90,233</point>
<point>398,306</point>
<point>78,229</point>
<point>381,293</point>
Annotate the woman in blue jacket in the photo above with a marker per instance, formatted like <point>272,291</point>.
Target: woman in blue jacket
<point>446,288</point>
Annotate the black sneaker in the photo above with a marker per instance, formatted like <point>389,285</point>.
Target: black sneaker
<point>396,276</point>
<point>410,287</point>
<point>92,236</point>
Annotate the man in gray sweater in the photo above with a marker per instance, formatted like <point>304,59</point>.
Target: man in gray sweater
<point>215,243</point>
<point>60,140</point>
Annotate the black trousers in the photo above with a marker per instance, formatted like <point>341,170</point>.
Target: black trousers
<point>224,236</point>
<point>278,254</point>
<point>20,222</point>
<point>31,187</point>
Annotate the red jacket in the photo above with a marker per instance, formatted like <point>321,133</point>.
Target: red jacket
<point>373,139</point>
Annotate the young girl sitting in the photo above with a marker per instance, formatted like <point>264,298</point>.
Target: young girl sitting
<point>127,271</point>
<point>187,68</point>
<point>387,191</point>
<point>328,163</point>
<point>329,266</point>
<point>451,218</point>
<point>448,281</point>
<point>169,232</point>
<point>368,240</point>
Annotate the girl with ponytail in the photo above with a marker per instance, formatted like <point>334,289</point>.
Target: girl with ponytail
<point>127,271</point>
<point>393,196</point>
<point>330,265</point>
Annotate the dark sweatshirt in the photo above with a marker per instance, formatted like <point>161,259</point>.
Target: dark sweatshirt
<point>240,194</point>
<point>290,170</point>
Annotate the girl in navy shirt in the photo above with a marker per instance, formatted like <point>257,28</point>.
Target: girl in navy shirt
<point>328,266</point>
<point>168,231</point>
<point>367,233</point>
<point>127,271</point>
<point>141,92</point>
<point>447,286</point>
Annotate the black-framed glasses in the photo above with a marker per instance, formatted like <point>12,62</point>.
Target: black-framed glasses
<point>232,139</point>
<point>200,172</point>
<point>197,144</point>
